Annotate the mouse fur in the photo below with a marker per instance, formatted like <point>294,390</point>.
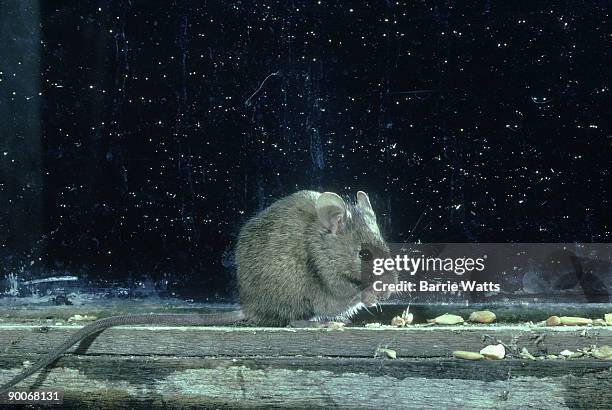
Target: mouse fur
<point>299,259</point>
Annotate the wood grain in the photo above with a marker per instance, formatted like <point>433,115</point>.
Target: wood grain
<point>434,341</point>
<point>310,382</point>
<point>226,367</point>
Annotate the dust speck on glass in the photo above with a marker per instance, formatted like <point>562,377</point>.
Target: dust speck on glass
<point>138,136</point>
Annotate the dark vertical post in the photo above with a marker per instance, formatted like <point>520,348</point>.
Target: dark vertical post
<point>21,213</point>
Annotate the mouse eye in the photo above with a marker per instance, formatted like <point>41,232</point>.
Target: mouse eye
<point>365,255</point>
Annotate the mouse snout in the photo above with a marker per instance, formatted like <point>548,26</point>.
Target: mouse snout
<point>380,289</point>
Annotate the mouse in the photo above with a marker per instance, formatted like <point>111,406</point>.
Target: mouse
<point>302,260</point>
<point>309,248</point>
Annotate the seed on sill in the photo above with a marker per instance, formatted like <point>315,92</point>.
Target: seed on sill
<point>602,353</point>
<point>408,318</point>
<point>526,355</point>
<point>553,321</point>
<point>398,321</point>
<point>448,319</point>
<point>461,354</point>
<point>575,321</point>
<point>495,352</point>
<point>599,322</point>
<point>483,316</point>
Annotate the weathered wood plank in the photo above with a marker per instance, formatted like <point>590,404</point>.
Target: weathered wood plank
<point>147,369</point>
<point>16,309</point>
<point>166,382</point>
<point>435,341</point>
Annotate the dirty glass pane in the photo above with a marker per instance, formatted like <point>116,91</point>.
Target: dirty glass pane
<point>138,136</point>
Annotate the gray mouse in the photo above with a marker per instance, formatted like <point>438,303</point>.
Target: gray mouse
<point>301,259</point>
<point>298,261</point>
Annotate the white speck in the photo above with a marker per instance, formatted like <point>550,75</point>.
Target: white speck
<point>541,100</point>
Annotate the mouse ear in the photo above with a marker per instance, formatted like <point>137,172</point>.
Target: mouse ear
<point>331,211</point>
<point>363,200</point>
